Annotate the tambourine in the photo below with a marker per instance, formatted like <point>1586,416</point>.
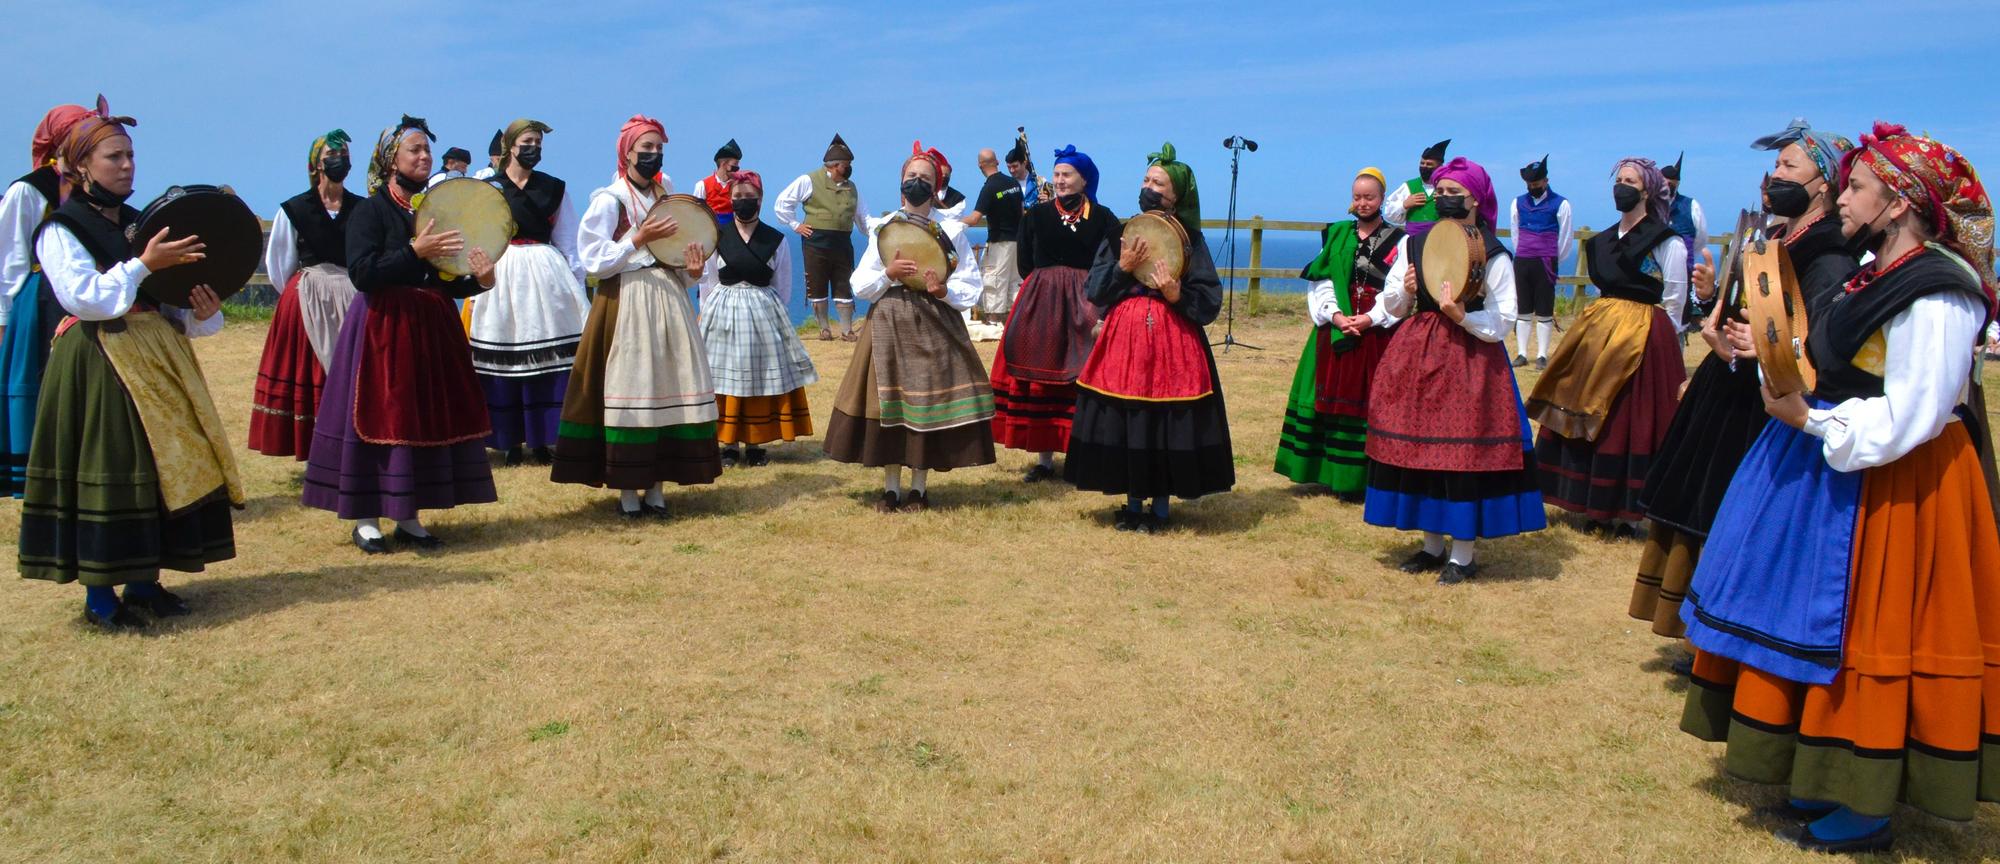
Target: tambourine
<point>1777,313</point>
<point>695,226</point>
<point>1456,255</point>
<point>1729,271</point>
<point>1166,242</point>
<point>477,210</point>
<point>925,244</point>
<point>233,238</point>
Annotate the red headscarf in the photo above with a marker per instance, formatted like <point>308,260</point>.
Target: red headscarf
<point>628,135</point>
<point>936,159</point>
<point>49,133</point>
<point>89,132</point>
<point>740,177</point>
<point>1940,183</point>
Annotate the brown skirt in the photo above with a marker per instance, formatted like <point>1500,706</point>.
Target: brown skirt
<point>1665,569</point>
<point>856,435</point>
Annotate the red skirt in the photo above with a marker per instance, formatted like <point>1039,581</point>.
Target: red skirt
<point>1447,401</point>
<point>415,385</point>
<point>1344,378</point>
<point>1604,479</point>
<point>285,401</point>
<point>1149,352</point>
<point>1030,415</point>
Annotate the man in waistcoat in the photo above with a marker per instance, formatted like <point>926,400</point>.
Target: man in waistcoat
<point>1541,243</point>
<point>832,209</point>
<point>1409,205</point>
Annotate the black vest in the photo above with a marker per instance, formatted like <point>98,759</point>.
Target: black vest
<point>1496,252</point>
<point>322,239</point>
<point>1821,263</point>
<point>45,181</point>
<point>1616,262</point>
<point>747,263</point>
<point>535,205</point>
<point>106,242</point>
<point>1374,256</point>
<point>1843,323</point>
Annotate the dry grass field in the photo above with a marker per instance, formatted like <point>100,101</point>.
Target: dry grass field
<point>782,675</point>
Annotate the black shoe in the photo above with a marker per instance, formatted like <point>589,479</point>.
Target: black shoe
<point>1124,519</point>
<point>1038,473</point>
<point>120,621</point>
<point>1684,667</point>
<point>890,502</point>
<point>731,456</point>
<point>1149,523</point>
<point>544,456</point>
<point>1802,837</point>
<point>1541,364</point>
<point>630,514</point>
<point>916,502</point>
<point>423,541</point>
<point>515,456</point>
<point>1454,573</point>
<point>370,545</point>
<point>1520,361</point>
<point>1624,531</point>
<point>161,603</point>
<point>756,457</point>
<point>1421,562</point>
<point>657,511</point>
<point>1594,528</point>
<point>1786,811</point>
<point>1351,497</point>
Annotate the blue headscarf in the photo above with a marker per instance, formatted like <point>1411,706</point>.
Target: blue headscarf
<point>1823,148</point>
<point>1081,162</point>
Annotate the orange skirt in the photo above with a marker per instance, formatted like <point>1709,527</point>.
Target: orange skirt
<point>757,420</point>
<point>1914,714</point>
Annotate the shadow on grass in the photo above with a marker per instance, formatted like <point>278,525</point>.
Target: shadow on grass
<point>974,488</point>
<point>219,602</point>
<point>1667,654</point>
<point>1538,555</point>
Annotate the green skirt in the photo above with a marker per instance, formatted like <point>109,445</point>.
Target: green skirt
<point>92,512</point>
<point>1315,447</point>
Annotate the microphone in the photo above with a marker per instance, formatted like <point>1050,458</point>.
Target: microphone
<point>1239,142</point>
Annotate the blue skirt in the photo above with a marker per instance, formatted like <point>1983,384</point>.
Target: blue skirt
<point>24,354</point>
<point>1770,590</point>
<point>1465,505</point>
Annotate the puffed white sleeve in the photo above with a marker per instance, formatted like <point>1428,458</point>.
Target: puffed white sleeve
<point>869,280</point>
<point>860,211</point>
<point>783,283</point>
<point>1514,220</point>
<point>1564,241</point>
<point>1672,255</point>
<point>1394,303</point>
<point>598,252</point>
<point>565,236</point>
<point>20,213</point>
<point>73,277</point>
<point>191,326</point>
<point>963,287</point>
<point>786,205</point>
<point>1321,302</point>
<point>711,274</point>
<point>1925,367</point>
<point>281,254</point>
<point>1492,323</point>
<point>1392,206</point>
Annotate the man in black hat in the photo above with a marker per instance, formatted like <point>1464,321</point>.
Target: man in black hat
<point>1685,217</point>
<point>714,189</point>
<point>833,210</point>
<point>999,206</point>
<point>1409,205</point>
<point>494,151</point>
<point>1541,242</point>
<point>456,160</point>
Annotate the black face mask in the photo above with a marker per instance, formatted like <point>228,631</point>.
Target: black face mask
<point>99,196</point>
<point>745,208</point>
<point>336,168</point>
<point>408,185</point>
<point>530,156</point>
<point>1787,199</point>
<point>1625,197</point>
<point>1150,201</point>
<point>916,190</point>
<point>1451,206</point>
<point>648,164</point>
<point>1425,173</point>
<point>1868,238</point>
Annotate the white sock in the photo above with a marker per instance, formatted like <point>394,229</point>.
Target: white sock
<point>1433,543</point>
<point>656,496</point>
<point>370,529</point>
<point>1049,460</point>
<point>628,500</point>
<point>1461,552</point>
<point>846,311</point>
<point>917,478</point>
<point>892,479</point>
<point>1521,327</point>
<point>412,526</point>
<point>1544,329</point>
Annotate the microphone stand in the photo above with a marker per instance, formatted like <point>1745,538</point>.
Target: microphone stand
<point>1236,145</point>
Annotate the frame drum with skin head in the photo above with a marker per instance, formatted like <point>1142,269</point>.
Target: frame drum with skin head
<point>474,208</point>
<point>926,245</point>
<point>1776,311</point>
<point>233,238</point>
<point>1454,254</point>
<point>695,226</point>
<point>1166,242</point>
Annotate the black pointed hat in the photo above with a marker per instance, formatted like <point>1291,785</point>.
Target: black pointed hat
<point>729,151</point>
<point>1436,151</point>
<point>499,146</point>
<point>1536,170</point>
<point>837,151</point>
<point>1673,172</point>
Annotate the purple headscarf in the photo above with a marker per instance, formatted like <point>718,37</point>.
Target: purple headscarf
<point>1653,183</point>
<point>1474,179</point>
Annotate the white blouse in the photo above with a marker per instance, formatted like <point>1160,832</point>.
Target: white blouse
<point>598,252</point>
<point>781,272</point>
<point>1490,324</point>
<point>962,287</point>
<point>20,214</point>
<point>94,296</point>
<point>1922,381</point>
<point>281,256</point>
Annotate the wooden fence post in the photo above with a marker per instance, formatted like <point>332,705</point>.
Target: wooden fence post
<point>1256,260</point>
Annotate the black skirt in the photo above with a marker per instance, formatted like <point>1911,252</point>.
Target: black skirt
<point>1717,421</point>
<point>1133,447</point>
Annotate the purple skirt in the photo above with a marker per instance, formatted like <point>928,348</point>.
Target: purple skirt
<point>359,480</point>
<point>525,410</point>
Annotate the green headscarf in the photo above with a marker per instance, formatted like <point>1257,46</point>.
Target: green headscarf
<point>1187,197</point>
<point>335,140</point>
<point>513,133</point>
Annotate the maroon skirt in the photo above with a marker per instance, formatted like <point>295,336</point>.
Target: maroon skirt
<point>415,385</point>
<point>1605,478</point>
<point>285,401</point>
<point>1344,378</point>
<point>1447,402</point>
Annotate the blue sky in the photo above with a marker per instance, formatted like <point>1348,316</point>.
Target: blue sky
<point>233,92</point>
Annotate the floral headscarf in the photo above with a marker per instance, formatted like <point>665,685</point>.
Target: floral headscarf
<point>1825,149</point>
<point>50,132</point>
<point>1654,182</point>
<point>89,132</point>
<point>1941,184</point>
<point>383,162</point>
<point>335,140</point>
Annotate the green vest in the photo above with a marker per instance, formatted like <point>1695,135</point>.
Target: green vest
<point>831,208</point>
<point>1426,213</point>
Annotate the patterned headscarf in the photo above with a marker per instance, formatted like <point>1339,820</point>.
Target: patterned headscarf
<point>1941,184</point>
<point>738,178</point>
<point>1825,149</point>
<point>89,132</point>
<point>513,133</point>
<point>1187,196</point>
<point>1653,183</point>
<point>335,140</point>
<point>629,135</point>
<point>1081,162</point>
<point>50,132</point>
<point>1477,184</point>
<point>383,162</point>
